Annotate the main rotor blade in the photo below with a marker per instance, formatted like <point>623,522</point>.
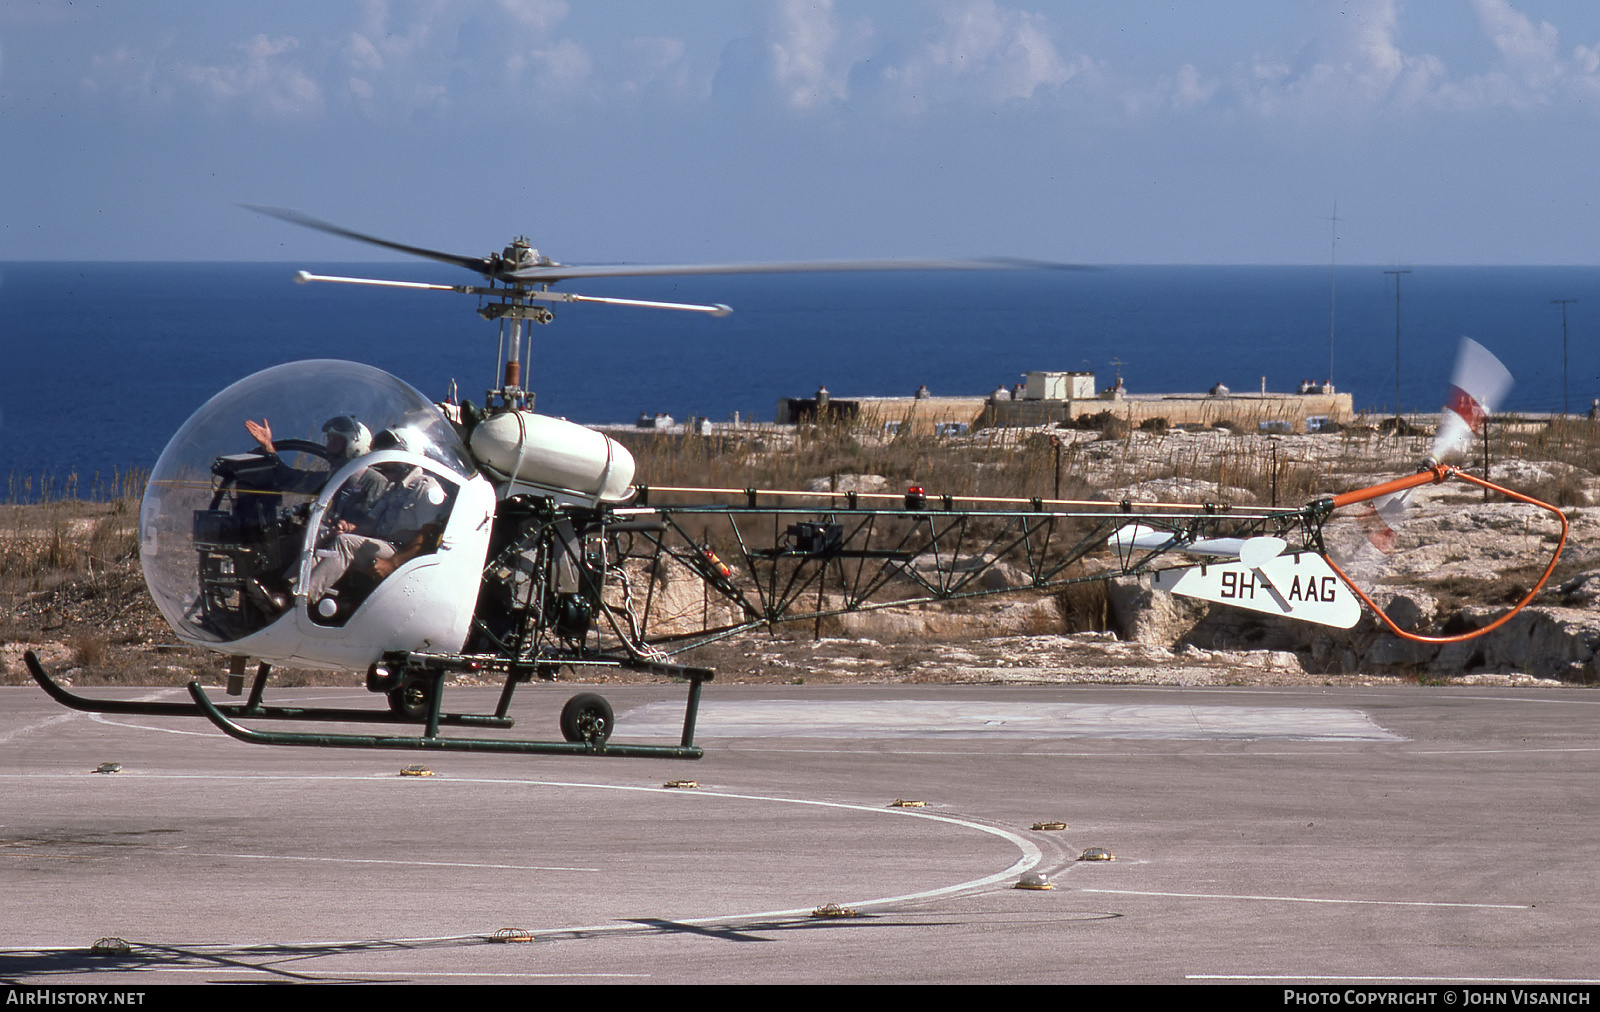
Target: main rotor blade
<point>482,265</point>
<point>495,268</point>
<point>562,273</point>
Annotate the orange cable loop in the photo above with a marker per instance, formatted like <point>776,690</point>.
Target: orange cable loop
<point>1439,474</point>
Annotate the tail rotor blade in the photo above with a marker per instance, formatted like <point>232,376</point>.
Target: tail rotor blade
<point>1476,388</point>
<point>1381,519</point>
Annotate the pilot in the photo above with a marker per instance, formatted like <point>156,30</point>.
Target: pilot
<point>404,522</point>
<point>346,440</point>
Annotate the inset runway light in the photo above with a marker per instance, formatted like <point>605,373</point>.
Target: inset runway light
<point>1033,880</point>
<point>1050,825</point>
<point>686,785</point>
<point>512,935</point>
<point>416,771</point>
<point>902,803</point>
<point>835,910</point>
<point>1096,854</point>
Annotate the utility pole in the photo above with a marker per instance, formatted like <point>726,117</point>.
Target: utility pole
<point>1563,304</point>
<point>1397,274</point>
<point>1333,276</point>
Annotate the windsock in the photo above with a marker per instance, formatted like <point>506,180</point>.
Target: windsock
<point>1475,391</point>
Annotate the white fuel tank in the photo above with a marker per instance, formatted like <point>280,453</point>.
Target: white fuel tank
<point>554,455</point>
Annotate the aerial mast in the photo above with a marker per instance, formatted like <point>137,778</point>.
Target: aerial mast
<point>1333,261</point>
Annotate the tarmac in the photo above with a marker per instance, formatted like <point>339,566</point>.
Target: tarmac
<point>1334,837</point>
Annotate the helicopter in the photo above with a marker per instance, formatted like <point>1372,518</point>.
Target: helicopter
<point>421,540</point>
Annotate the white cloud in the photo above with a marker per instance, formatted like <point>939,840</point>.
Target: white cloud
<point>1532,71</point>
<point>806,65</point>
<point>562,65</point>
<point>1355,66</point>
<point>398,58</point>
<point>1520,42</point>
<point>655,60</point>
<point>1359,67</point>
<point>1190,89</point>
<point>981,52</point>
<point>263,77</point>
<point>539,15</point>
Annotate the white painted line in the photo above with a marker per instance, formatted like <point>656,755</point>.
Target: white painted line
<point>1356,978</point>
<point>100,718</point>
<point>1187,753</point>
<point>373,860</point>
<point>36,726</point>
<point>1307,899</point>
<point>816,718</point>
<point>1030,853</point>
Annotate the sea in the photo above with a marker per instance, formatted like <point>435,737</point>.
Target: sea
<point>102,362</point>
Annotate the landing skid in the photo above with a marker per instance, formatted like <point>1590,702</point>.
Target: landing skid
<point>586,720</point>
<point>253,709</point>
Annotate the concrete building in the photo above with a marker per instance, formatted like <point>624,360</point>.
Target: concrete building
<point>1055,397</point>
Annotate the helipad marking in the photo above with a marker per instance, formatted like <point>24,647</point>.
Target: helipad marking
<point>982,719</point>
<point>376,860</point>
<point>36,726</point>
<point>100,718</point>
<point>1031,854</point>
<point>1408,979</point>
<point>1307,899</point>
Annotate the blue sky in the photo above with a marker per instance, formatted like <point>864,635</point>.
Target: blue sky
<point>1127,132</point>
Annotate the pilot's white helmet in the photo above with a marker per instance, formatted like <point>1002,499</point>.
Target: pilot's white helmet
<point>399,437</point>
<point>357,440</point>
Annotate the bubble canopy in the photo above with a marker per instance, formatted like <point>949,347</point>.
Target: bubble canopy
<point>192,477</point>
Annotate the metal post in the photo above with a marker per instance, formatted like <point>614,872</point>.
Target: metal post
<point>1565,410</point>
<point>1274,441</point>
<point>1055,446</point>
<point>1486,456</point>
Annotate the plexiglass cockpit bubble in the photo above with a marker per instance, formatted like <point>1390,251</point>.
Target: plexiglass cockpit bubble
<point>223,523</point>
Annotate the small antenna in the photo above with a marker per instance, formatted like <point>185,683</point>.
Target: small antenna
<point>1397,274</point>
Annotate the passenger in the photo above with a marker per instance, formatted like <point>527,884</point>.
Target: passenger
<point>404,522</point>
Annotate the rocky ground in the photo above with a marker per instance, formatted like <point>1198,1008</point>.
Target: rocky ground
<point>72,591</point>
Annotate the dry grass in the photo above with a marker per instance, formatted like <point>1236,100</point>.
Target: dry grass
<point>995,462</point>
<point>45,544</point>
<point>50,533</point>
<point>1025,463</point>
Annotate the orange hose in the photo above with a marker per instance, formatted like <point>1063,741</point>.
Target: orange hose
<point>1440,474</point>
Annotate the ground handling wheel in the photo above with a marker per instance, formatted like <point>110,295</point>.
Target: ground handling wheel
<point>412,698</point>
<point>587,717</point>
